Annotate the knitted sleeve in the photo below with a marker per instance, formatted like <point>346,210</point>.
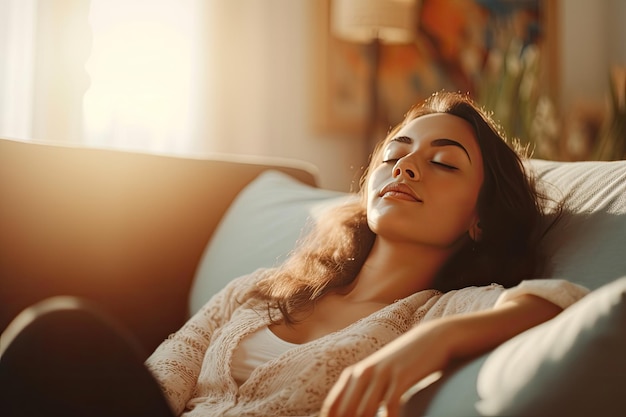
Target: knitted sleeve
<point>558,291</point>
<point>177,360</point>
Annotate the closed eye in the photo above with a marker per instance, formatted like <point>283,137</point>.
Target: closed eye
<point>444,166</point>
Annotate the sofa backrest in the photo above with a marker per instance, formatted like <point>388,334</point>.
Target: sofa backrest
<point>123,229</point>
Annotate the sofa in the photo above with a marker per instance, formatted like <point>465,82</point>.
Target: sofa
<point>150,238</point>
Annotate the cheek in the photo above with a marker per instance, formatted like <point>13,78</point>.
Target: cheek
<point>461,205</point>
<point>377,209</point>
<point>374,184</point>
<point>372,211</point>
<point>455,194</point>
<point>465,203</point>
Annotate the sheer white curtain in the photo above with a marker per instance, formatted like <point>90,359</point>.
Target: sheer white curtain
<point>129,74</point>
<point>17,40</point>
<point>144,71</point>
<point>169,76</point>
<point>43,47</point>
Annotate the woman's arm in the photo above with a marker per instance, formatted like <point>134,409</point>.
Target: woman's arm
<point>383,377</point>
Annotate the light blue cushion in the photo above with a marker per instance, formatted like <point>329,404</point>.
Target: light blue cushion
<point>573,365</point>
<point>259,229</point>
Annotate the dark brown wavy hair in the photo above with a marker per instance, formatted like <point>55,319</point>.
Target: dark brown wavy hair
<point>510,209</point>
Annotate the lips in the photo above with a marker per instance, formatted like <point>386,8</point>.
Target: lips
<point>400,191</point>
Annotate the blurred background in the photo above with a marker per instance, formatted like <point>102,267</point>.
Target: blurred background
<point>317,80</point>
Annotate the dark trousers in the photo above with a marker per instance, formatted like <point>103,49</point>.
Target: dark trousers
<point>64,357</point>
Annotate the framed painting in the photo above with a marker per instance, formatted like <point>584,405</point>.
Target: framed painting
<point>486,48</point>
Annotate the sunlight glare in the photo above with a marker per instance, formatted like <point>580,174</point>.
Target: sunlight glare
<point>141,70</point>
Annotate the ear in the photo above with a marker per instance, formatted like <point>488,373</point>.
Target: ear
<point>475,232</point>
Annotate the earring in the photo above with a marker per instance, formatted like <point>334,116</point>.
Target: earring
<point>475,232</point>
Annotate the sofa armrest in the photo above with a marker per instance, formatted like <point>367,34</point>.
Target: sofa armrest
<point>123,229</point>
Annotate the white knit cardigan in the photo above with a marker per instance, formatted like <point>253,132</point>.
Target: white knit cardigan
<point>193,365</point>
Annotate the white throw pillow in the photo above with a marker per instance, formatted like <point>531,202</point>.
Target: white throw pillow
<point>587,245</point>
<point>259,229</point>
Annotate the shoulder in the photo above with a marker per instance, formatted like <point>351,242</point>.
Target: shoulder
<point>430,304</point>
<point>558,291</point>
<point>466,300</point>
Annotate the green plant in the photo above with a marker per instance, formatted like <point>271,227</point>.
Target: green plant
<point>611,141</point>
<point>510,89</point>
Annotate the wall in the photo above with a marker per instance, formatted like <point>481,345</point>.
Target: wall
<point>593,38</point>
<point>262,77</point>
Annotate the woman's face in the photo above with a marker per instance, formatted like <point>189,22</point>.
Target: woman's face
<point>426,188</point>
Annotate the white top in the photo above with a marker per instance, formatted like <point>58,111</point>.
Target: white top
<point>254,350</point>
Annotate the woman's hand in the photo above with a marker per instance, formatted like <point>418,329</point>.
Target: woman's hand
<point>382,378</point>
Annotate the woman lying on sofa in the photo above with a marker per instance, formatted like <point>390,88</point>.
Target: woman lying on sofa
<point>434,262</point>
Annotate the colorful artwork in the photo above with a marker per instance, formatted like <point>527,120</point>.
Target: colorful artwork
<point>483,47</point>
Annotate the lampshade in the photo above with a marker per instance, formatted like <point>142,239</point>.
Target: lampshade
<point>390,21</point>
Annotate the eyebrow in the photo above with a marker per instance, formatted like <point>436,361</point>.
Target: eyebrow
<point>436,143</point>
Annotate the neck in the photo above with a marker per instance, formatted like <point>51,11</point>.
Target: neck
<point>393,271</point>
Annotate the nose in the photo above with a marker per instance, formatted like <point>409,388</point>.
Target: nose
<point>406,168</point>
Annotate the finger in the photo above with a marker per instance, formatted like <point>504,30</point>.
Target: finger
<point>392,399</point>
<point>373,396</point>
<point>353,393</point>
<point>350,392</point>
<point>335,402</point>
